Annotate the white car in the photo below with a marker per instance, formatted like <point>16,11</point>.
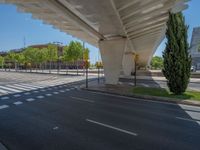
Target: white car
<point>193,69</point>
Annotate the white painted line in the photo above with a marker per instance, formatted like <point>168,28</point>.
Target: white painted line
<point>5,98</point>
<point>30,99</point>
<point>18,103</point>
<point>112,127</point>
<point>20,88</point>
<point>55,92</point>
<point>40,97</point>
<point>82,99</point>
<point>48,94</point>
<point>27,93</point>
<point>32,85</point>
<point>132,98</point>
<point>3,91</point>
<point>26,87</point>
<point>17,95</point>
<point>4,106</point>
<point>185,119</point>
<point>10,89</point>
<point>55,128</point>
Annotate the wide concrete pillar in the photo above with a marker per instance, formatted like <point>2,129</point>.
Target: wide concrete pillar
<point>128,64</point>
<point>112,54</point>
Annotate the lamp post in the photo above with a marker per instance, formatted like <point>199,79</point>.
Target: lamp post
<point>87,66</point>
<point>135,58</point>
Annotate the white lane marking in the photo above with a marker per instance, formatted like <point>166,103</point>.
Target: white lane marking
<point>48,94</point>
<point>3,91</point>
<point>132,98</point>
<point>30,99</point>
<point>4,106</point>
<point>27,93</point>
<point>16,87</point>
<point>10,89</point>
<point>17,95</point>
<point>112,127</point>
<point>55,128</point>
<point>18,103</point>
<point>82,99</point>
<point>31,85</point>
<point>26,87</point>
<point>55,92</point>
<point>61,91</point>
<point>40,97</point>
<point>5,98</point>
<point>185,119</point>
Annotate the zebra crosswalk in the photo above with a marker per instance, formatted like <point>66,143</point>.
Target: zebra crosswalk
<point>25,87</point>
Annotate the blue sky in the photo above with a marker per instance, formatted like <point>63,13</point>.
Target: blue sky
<point>14,27</point>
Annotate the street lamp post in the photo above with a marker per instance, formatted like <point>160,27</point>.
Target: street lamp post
<point>87,66</point>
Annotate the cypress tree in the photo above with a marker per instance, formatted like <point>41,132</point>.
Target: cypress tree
<point>177,60</point>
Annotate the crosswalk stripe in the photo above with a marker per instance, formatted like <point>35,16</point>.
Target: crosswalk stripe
<point>9,89</point>
<point>35,86</point>
<point>3,91</point>
<point>20,88</point>
<point>18,85</point>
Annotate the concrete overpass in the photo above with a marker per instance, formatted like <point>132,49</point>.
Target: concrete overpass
<point>120,28</point>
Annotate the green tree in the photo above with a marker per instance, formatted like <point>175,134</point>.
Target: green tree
<point>30,56</point>
<point>75,52</point>
<point>157,62</point>
<point>177,61</point>
<point>52,54</point>
<point>2,62</point>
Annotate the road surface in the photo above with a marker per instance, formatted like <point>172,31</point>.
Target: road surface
<point>61,117</point>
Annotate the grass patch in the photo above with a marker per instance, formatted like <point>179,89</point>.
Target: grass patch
<point>191,95</point>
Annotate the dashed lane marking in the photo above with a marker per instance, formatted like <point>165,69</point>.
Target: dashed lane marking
<point>4,106</point>
<point>27,93</point>
<point>18,103</point>
<point>30,99</point>
<point>17,95</point>
<point>48,94</point>
<point>40,97</point>
<point>5,98</point>
<point>55,92</point>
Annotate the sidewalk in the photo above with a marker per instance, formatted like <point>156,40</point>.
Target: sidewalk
<point>194,80</point>
<point>126,90</point>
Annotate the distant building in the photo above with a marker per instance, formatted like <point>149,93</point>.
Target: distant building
<point>195,48</point>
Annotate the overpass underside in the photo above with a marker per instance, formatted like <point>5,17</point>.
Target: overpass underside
<point>122,29</point>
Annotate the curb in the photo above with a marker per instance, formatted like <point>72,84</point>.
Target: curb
<point>151,98</point>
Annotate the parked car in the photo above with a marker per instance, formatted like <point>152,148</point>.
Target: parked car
<point>193,69</point>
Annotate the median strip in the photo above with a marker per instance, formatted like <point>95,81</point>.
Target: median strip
<point>112,127</point>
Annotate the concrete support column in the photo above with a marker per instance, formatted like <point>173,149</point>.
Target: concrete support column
<point>128,64</point>
<point>112,54</point>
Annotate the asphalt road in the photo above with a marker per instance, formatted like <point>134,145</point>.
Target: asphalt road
<point>66,118</point>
